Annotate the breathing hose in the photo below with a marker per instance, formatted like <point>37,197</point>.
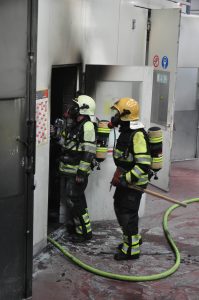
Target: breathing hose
<point>134,277</point>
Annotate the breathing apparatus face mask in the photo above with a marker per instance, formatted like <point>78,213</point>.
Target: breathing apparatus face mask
<point>73,110</point>
<point>71,115</point>
<point>116,119</point>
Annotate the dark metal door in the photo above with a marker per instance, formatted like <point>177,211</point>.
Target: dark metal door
<point>18,22</point>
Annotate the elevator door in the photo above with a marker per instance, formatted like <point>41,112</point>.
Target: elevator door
<point>17,127</point>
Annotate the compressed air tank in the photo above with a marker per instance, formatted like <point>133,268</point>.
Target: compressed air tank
<point>103,132</point>
<point>155,141</point>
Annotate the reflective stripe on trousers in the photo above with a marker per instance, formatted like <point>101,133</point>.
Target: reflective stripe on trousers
<point>131,244</point>
<point>85,228</point>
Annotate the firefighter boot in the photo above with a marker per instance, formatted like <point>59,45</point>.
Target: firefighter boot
<point>130,248</point>
<point>119,247</point>
<point>70,228</point>
<point>83,229</point>
<point>78,238</point>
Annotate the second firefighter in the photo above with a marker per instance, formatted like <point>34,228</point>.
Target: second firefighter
<point>132,159</point>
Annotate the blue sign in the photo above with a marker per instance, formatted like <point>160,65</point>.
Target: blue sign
<point>165,62</point>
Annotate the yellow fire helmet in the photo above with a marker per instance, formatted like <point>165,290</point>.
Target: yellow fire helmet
<point>128,109</point>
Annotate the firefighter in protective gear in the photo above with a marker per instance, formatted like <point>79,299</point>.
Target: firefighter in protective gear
<point>132,159</point>
<point>78,144</point>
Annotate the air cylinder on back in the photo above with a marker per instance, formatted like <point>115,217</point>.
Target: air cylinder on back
<point>102,140</point>
<point>155,141</point>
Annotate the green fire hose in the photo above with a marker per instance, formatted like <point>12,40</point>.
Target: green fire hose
<point>134,277</point>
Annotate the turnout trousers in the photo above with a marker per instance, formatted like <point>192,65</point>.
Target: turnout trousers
<point>126,205</point>
<point>77,211</point>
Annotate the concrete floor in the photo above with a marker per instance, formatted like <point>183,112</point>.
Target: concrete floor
<point>55,277</point>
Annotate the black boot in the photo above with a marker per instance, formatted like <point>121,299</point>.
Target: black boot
<point>70,229</point>
<point>81,238</point>
<point>119,247</point>
<point>130,248</point>
<point>122,256</point>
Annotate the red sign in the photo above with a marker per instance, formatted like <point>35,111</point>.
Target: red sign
<point>156,61</point>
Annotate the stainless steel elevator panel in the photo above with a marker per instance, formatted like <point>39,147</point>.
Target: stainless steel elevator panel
<point>160,97</point>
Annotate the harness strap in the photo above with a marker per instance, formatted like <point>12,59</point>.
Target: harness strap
<point>77,139</point>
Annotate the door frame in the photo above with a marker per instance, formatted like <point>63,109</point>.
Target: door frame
<point>97,185</point>
<point>55,201</point>
<point>31,139</point>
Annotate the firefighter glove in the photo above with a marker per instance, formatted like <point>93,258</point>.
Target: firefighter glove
<point>116,177</point>
<point>80,177</point>
<point>122,181</point>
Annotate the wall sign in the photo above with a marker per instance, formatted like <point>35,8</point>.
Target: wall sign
<point>156,61</point>
<point>165,62</point>
<point>41,117</point>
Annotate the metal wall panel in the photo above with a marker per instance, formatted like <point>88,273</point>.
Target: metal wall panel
<point>186,86</point>
<point>186,115</point>
<point>101,31</point>
<point>188,55</point>
<point>18,21</point>
<point>132,35</point>
<point>194,7</point>
<point>164,37</point>
<point>184,135</point>
<point>12,197</point>
<point>13,48</point>
<point>12,265</point>
<point>12,153</point>
<point>163,51</point>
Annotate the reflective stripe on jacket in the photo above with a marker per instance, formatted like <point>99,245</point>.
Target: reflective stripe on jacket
<point>133,156</point>
<point>80,148</point>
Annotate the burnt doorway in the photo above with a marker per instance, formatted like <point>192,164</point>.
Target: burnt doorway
<point>65,82</point>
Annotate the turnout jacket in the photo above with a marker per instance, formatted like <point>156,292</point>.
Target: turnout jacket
<point>132,154</point>
<point>79,149</point>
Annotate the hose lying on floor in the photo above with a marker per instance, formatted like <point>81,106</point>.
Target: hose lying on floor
<point>129,277</point>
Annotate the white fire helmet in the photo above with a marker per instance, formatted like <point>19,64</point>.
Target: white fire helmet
<point>86,105</point>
